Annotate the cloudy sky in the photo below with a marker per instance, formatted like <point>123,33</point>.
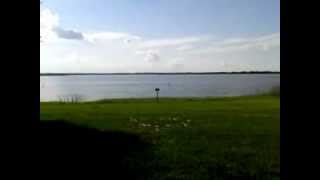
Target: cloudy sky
<point>159,35</point>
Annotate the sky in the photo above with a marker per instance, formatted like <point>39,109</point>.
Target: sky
<point>107,36</point>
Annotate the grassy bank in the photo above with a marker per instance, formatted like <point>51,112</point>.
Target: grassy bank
<point>187,138</point>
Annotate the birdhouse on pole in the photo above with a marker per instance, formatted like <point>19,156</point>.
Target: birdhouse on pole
<point>157,93</point>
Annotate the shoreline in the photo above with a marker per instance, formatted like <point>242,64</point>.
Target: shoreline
<point>155,73</point>
<point>164,99</point>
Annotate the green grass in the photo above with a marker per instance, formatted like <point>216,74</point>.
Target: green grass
<point>192,138</point>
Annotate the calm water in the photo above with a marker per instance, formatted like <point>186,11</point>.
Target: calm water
<point>126,86</point>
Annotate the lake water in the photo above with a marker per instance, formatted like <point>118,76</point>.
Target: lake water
<point>93,87</point>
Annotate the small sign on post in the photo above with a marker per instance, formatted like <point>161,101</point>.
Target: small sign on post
<point>157,93</point>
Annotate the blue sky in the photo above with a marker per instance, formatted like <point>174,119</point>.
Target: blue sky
<point>226,34</point>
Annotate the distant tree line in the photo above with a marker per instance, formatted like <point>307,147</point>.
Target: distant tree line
<point>159,73</point>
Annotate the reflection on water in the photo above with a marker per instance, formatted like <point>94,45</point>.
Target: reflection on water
<point>53,88</point>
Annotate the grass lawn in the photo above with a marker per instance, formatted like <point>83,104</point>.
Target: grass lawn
<point>189,138</point>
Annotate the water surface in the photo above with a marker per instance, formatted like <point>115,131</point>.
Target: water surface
<point>94,87</point>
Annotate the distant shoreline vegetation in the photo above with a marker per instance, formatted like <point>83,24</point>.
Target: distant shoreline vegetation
<point>161,73</point>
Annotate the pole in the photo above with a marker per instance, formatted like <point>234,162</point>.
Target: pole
<point>157,96</point>
<point>157,93</point>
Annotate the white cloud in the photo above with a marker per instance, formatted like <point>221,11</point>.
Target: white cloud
<point>48,21</point>
<point>50,29</point>
<point>185,47</point>
<point>164,43</point>
<point>104,51</point>
<point>114,55</point>
<point>243,44</point>
<point>152,56</point>
<point>107,36</point>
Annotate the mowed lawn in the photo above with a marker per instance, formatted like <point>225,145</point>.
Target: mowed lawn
<point>190,138</point>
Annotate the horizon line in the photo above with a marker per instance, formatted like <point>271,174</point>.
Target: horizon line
<point>124,73</point>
